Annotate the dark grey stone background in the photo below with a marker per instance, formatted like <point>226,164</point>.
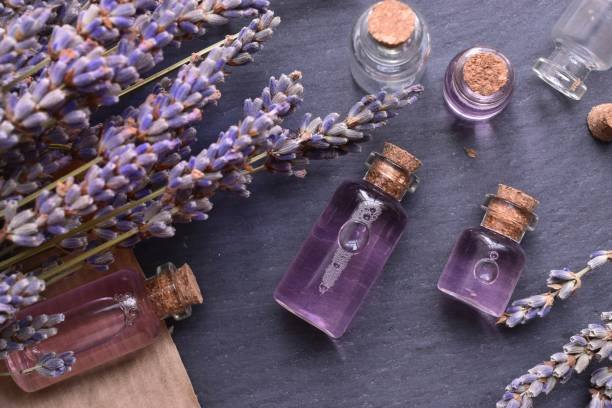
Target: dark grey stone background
<point>408,346</point>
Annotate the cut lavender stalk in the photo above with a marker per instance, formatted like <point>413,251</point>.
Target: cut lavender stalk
<point>28,331</point>
<point>163,119</point>
<point>17,291</point>
<point>53,364</point>
<point>592,343</point>
<point>328,137</point>
<point>562,283</point>
<point>601,391</point>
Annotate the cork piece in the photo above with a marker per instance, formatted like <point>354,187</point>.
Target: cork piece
<point>172,291</point>
<point>510,212</point>
<point>600,122</point>
<point>393,176</point>
<point>401,157</point>
<point>517,197</point>
<point>485,73</point>
<point>391,22</point>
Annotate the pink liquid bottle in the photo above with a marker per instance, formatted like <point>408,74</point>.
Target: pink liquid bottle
<point>350,243</point>
<point>107,319</point>
<point>487,262</point>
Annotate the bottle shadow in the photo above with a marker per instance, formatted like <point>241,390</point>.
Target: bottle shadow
<point>305,338</point>
<point>466,317</point>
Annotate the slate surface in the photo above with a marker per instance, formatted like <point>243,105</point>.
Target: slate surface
<point>408,346</point>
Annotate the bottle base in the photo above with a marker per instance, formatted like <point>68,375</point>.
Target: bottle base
<point>309,318</point>
<point>471,302</point>
<point>560,79</point>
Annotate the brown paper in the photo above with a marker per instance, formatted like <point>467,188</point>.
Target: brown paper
<point>152,377</point>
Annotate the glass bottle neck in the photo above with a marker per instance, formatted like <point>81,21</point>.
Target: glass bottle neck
<point>565,69</point>
<point>390,178</point>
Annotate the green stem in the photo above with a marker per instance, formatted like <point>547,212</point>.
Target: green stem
<point>58,270</point>
<point>52,185</point>
<point>172,67</point>
<point>81,228</point>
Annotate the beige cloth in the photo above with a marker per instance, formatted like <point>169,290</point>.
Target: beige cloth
<point>152,377</point>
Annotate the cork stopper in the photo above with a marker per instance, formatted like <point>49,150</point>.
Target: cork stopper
<point>391,22</point>
<point>485,73</point>
<point>173,290</point>
<point>510,212</point>
<point>392,170</point>
<point>600,122</point>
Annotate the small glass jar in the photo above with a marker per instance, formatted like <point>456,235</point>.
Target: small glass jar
<point>470,104</point>
<point>582,39</point>
<point>379,63</point>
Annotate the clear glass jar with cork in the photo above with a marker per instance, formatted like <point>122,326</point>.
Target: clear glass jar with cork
<point>350,244</point>
<point>390,47</point>
<point>106,319</point>
<point>487,262</point>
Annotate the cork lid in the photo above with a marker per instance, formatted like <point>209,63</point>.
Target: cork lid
<point>600,122</point>
<point>401,157</point>
<point>510,212</point>
<point>391,22</point>
<point>173,290</point>
<point>392,171</point>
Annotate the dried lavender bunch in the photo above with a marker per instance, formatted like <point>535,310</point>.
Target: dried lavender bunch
<point>601,392</point>
<point>562,283</point>
<point>225,165</point>
<point>328,137</point>
<point>190,183</point>
<point>593,342</point>
<point>163,119</point>
<point>236,51</point>
<point>28,331</point>
<point>17,291</point>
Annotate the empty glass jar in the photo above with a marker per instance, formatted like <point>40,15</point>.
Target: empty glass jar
<point>583,43</point>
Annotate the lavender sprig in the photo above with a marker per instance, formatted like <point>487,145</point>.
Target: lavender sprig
<point>17,291</point>
<point>592,343</point>
<point>328,137</point>
<point>562,283</point>
<point>53,364</point>
<point>601,392</point>
<point>28,331</point>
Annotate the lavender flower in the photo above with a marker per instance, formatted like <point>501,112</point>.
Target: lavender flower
<point>326,138</point>
<point>27,332</point>
<point>594,342</point>
<point>562,283</point>
<point>17,291</point>
<point>20,40</point>
<point>601,392</point>
<point>55,365</point>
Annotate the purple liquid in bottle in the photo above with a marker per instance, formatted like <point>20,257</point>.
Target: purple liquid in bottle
<point>483,270</point>
<point>487,262</point>
<point>345,253</point>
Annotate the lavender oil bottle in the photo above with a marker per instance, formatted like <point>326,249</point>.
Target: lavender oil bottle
<point>350,244</point>
<point>106,319</point>
<point>486,262</point>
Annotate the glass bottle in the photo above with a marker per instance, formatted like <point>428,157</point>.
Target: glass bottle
<point>350,243</point>
<point>107,319</point>
<point>583,43</point>
<point>486,262</point>
<point>486,95</point>
<point>390,47</point>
